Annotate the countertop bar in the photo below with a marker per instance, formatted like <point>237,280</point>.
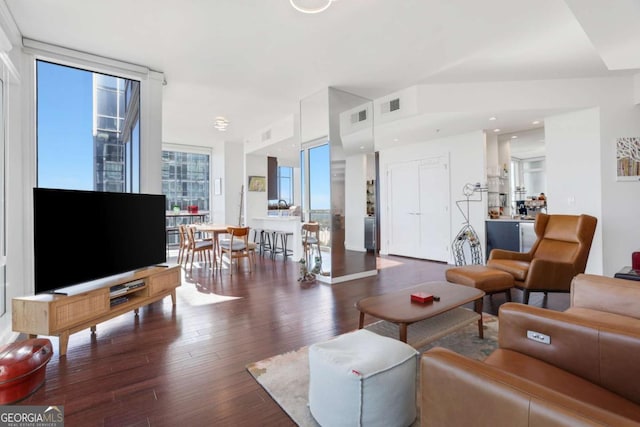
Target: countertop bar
<point>510,220</point>
<point>291,224</point>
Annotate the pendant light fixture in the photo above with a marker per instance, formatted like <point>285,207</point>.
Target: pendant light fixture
<point>311,6</point>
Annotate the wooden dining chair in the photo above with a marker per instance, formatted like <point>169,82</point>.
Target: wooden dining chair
<point>197,246</point>
<point>183,243</point>
<point>310,238</point>
<point>237,246</point>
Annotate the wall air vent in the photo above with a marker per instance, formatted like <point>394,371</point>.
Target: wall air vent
<point>360,116</point>
<point>390,106</point>
<point>266,135</point>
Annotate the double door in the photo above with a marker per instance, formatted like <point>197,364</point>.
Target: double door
<point>419,214</point>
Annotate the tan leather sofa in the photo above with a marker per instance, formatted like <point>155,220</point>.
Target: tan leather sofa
<point>588,374</point>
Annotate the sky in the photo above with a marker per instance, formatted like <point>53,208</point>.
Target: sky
<point>65,126</point>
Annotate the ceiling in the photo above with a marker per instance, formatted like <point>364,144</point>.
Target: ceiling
<point>252,61</point>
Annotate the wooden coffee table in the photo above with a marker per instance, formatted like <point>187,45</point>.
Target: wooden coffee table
<point>398,308</point>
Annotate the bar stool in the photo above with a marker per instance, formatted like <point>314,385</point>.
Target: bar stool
<point>283,237</point>
<point>257,238</point>
<point>266,244</point>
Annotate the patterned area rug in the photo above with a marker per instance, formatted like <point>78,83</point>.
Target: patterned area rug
<point>286,376</point>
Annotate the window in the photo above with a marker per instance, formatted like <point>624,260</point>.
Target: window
<point>285,184</point>
<point>185,179</point>
<point>88,131</point>
<point>3,204</point>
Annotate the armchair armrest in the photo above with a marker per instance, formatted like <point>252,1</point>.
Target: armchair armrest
<point>549,275</point>
<point>577,345</point>
<point>511,255</point>
<point>606,294</point>
<point>459,391</point>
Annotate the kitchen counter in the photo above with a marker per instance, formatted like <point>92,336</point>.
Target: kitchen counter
<point>509,219</point>
<point>289,224</point>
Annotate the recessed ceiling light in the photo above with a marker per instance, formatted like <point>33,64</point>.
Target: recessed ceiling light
<point>496,130</point>
<point>536,122</point>
<point>514,136</point>
<point>493,118</point>
<point>395,140</point>
<point>362,147</point>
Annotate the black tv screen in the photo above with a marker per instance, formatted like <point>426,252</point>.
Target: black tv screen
<point>81,236</point>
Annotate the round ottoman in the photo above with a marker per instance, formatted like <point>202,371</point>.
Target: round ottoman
<point>362,378</point>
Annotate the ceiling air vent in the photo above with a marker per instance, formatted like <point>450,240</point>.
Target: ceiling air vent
<point>360,116</point>
<point>390,106</point>
<point>266,135</point>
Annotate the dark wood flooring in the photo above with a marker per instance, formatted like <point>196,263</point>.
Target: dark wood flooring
<point>185,365</point>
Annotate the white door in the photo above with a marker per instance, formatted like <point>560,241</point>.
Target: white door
<point>434,209</point>
<point>419,217</point>
<point>404,207</point>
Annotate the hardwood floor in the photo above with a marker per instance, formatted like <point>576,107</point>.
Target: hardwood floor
<point>185,365</point>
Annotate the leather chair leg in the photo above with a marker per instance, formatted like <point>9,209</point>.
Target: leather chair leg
<point>525,296</point>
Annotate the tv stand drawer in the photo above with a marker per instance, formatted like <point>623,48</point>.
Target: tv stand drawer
<point>163,282</point>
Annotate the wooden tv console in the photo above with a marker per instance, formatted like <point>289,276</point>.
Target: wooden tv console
<point>86,305</point>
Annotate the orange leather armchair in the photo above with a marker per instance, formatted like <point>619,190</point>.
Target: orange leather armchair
<point>586,375</point>
<point>559,253</point>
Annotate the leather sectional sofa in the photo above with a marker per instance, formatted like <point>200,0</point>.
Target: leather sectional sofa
<point>579,367</point>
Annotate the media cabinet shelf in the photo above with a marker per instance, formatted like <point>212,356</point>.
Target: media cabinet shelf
<point>86,305</point>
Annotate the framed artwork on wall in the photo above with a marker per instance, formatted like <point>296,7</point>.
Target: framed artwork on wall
<point>257,183</point>
<point>628,158</point>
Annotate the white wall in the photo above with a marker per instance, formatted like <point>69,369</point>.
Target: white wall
<point>257,202</point>
<point>573,171</point>
<point>233,183</point>
<point>466,160</point>
<point>314,116</point>
<point>620,200</point>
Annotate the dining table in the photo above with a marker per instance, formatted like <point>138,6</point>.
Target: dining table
<point>214,230</point>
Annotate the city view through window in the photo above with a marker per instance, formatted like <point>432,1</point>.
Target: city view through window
<point>88,133</point>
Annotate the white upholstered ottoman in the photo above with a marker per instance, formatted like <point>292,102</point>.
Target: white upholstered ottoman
<point>362,379</point>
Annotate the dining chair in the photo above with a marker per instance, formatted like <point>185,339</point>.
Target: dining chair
<point>237,246</point>
<point>183,243</point>
<point>310,238</point>
<point>197,246</point>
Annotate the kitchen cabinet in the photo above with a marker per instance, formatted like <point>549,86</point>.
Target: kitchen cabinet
<point>272,178</point>
<point>511,235</point>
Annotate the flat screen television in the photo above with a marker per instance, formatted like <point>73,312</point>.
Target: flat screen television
<point>80,236</point>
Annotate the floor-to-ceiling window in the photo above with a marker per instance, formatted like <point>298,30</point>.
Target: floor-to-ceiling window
<point>186,179</point>
<point>186,184</point>
<point>88,129</point>
<point>316,190</point>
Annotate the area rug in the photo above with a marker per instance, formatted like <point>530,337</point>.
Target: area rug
<point>286,376</point>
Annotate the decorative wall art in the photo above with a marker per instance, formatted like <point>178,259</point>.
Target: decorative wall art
<point>257,183</point>
<point>628,158</point>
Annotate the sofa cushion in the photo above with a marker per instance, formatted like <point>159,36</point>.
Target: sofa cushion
<point>563,382</point>
<point>518,269</point>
